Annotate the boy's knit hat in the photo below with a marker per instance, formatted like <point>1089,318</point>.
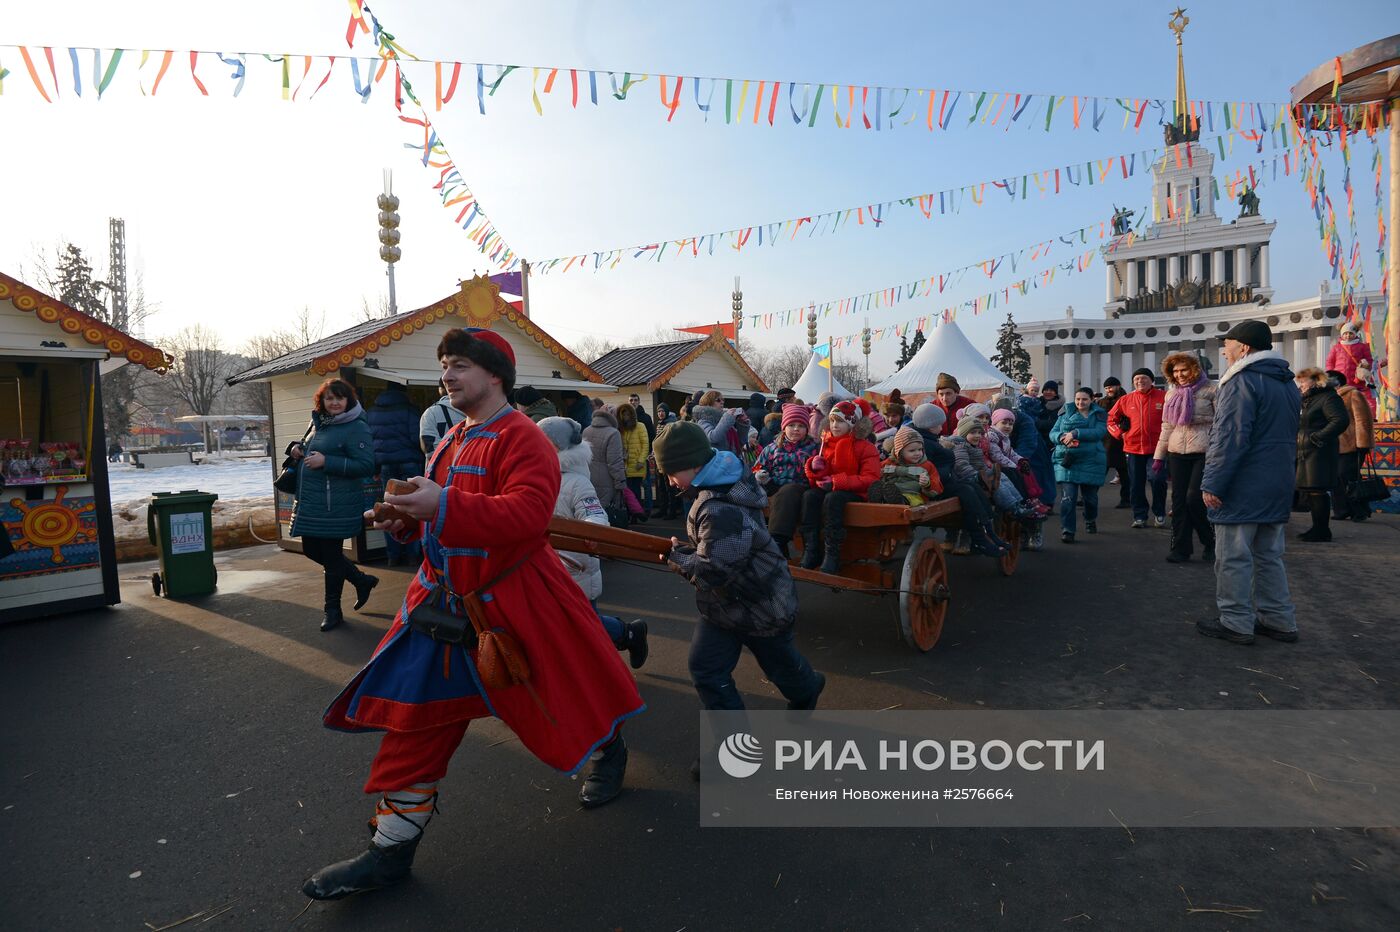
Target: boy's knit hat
<point>975,410</point>
<point>563,432</point>
<point>905,436</point>
<point>967,425</point>
<point>796,414</point>
<point>946,381</point>
<point>1002,414</point>
<point>682,445</point>
<point>929,417</point>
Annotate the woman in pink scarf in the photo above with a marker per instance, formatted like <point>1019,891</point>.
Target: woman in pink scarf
<point>1186,420</point>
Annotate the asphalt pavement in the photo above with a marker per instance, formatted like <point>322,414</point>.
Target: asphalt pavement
<point>164,761</point>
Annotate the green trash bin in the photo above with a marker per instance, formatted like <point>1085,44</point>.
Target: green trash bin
<point>181,525</point>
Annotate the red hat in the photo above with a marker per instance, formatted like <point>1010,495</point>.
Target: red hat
<point>496,340</point>
<point>846,411</point>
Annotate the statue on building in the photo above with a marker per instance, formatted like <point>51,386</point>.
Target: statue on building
<point>1351,356</point>
<point>1249,203</point>
<point>1122,218</point>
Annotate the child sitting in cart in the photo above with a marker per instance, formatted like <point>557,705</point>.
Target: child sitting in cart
<point>978,532</point>
<point>970,465</point>
<point>907,477</point>
<point>1015,467</point>
<point>842,472</point>
<point>781,470</point>
<point>744,591</point>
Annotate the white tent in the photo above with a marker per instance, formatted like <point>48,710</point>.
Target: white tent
<point>814,382</point>
<point>946,350</point>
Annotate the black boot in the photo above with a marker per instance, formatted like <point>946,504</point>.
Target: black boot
<point>635,641</point>
<point>333,616</point>
<point>831,562</point>
<point>370,870</point>
<point>810,703</point>
<point>782,543</point>
<point>364,584</point>
<point>811,548</point>
<point>604,781</point>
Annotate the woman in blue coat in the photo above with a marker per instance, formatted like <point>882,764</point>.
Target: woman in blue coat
<point>1081,462</point>
<point>335,461</point>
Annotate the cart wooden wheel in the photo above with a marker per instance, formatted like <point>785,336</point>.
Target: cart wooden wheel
<point>923,594</point>
<point>156,585</point>
<point>1011,531</point>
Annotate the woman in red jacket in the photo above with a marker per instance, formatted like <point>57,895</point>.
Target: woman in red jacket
<point>842,472</point>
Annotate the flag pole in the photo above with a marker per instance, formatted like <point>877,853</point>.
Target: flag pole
<point>830,367</point>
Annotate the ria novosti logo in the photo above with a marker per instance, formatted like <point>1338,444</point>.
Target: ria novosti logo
<point>740,755</point>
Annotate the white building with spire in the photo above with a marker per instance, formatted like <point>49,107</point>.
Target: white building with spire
<point>1186,281</point>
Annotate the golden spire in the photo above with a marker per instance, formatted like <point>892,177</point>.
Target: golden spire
<point>1178,24</point>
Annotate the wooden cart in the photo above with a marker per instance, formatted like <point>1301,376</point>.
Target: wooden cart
<point>888,550</point>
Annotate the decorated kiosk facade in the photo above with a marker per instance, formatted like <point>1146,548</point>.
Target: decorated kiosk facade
<point>402,351</point>
<point>671,372</point>
<point>56,508</point>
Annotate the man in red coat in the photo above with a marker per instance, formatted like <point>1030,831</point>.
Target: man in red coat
<point>1141,408</point>
<point>482,514</point>
<point>951,400</point>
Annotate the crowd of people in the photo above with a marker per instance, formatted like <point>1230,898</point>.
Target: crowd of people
<point>496,623</point>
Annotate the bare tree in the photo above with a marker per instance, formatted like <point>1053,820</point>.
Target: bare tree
<point>305,330</point>
<point>376,313</point>
<point>781,367</point>
<point>200,374</point>
<point>593,347</point>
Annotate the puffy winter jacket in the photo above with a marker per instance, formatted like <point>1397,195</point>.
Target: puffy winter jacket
<point>719,426</point>
<point>969,464</point>
<point>578,500</point>
<point>1144,413</point>
<point>1324,419</point>
<point>742,582</point>
<point>540,410</point>
<point>786,463</point>
<point>1193,437</point>
<point>1000,451</point>
<point>635,450</point>
<point>608,466</point>
<point>1250,461</point>
<point>851,462</point>
<point>331,500</point>
<point>1087,463</point>
<point>393,422</point>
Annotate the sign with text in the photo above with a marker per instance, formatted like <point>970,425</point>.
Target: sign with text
<point>1050,769</point>
<point>187,533</point>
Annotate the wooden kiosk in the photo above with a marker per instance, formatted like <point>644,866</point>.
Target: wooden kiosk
<point>402,351</point>
<point>56,508</point>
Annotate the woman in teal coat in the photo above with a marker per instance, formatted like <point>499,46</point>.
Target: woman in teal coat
<point>1081,462</point>
<point>334,463</point>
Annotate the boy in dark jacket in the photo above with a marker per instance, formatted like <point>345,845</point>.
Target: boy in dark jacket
<point>745,593</point>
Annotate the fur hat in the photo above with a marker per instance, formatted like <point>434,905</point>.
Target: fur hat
<point>946,381</point>
<point>905,436</point>
<point>930,417</point>
<point>967,425</point>
<point>1003,414</point>
<point>563,432</point>
<point>682,445</point>
<point>773,421</point>
<point>796,414</point>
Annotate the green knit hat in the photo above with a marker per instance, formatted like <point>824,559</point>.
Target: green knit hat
<point>682,445</point>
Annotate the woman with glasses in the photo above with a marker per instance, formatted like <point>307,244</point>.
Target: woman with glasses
<point>1181,451</point>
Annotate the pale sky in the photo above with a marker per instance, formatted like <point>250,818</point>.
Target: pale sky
<point>240,212</point>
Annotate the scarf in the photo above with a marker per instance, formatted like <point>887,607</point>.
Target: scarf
<point>1181,403</point>
<point>344,417</point>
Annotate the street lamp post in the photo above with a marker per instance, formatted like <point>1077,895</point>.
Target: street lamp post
<point>389,235</point>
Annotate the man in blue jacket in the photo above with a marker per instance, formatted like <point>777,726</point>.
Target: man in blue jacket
<point>394,425</point>
<point>1248,488</point>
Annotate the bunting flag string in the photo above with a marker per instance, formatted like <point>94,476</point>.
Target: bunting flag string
<point>940,282</point>
<point>1047,182</point>
<point>977,305</point>
<point>799,103</point>
<point>451,186</point>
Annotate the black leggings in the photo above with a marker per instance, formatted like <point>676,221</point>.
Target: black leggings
<point>1188,504</point>
<point>329,552</point>
<point>786,510</point>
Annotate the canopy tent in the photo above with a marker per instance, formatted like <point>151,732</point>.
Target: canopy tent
<point>946,350</point>
<point>814,381</point>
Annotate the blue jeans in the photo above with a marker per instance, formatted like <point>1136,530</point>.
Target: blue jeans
<point>714,653</point>
<point>1251,585</point>
<point>617,632</point>
<point>1139,474</point>
<point>1070,493</point>
<point>394,550</point>
<point>647,485</point>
